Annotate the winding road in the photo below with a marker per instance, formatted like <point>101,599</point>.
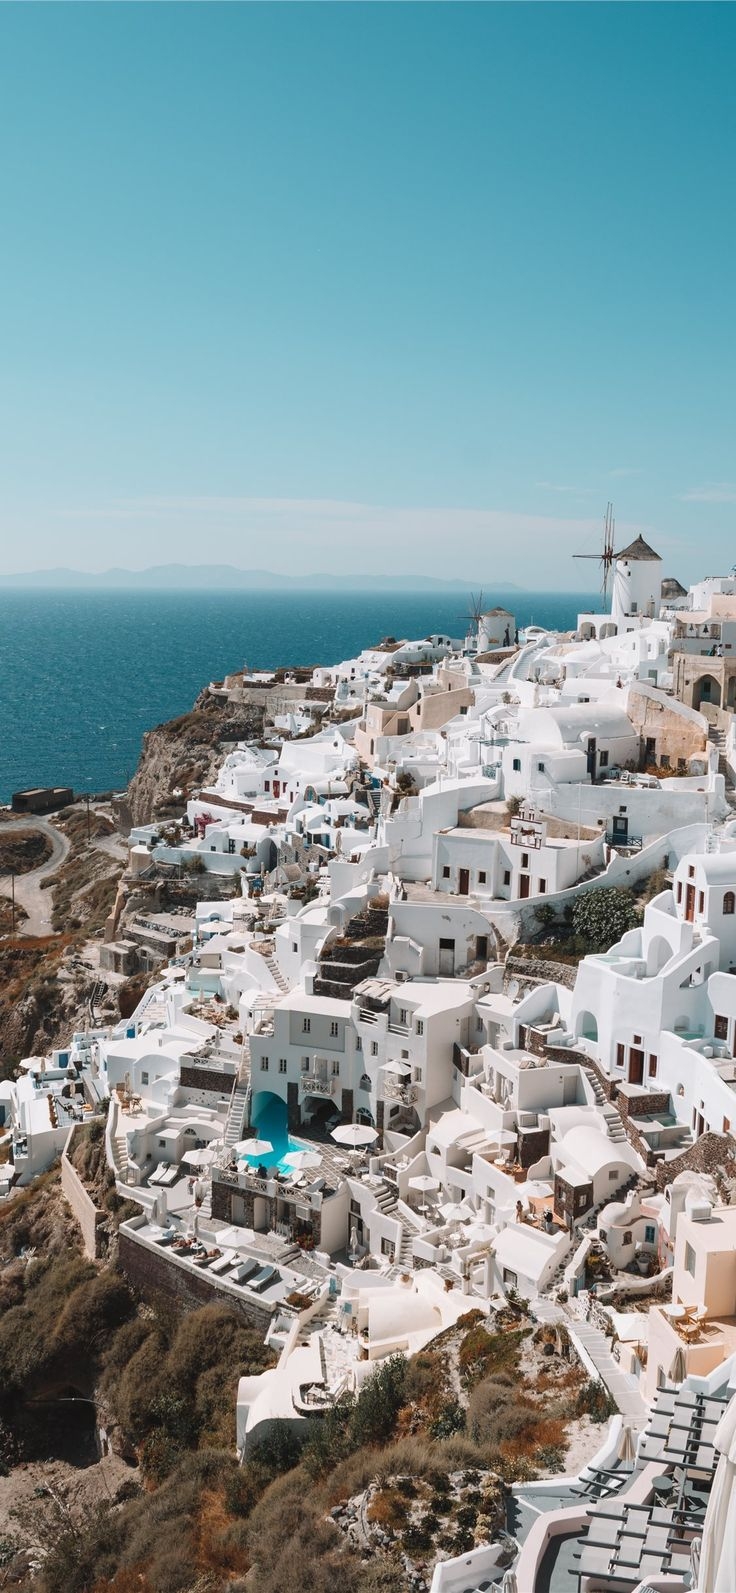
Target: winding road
<point>36,903</point>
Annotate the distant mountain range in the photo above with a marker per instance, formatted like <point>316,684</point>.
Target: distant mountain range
<point>216,577</point>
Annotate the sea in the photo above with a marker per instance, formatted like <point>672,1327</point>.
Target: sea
<point>84,673</point>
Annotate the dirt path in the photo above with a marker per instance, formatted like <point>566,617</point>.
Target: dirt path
<point>36,903</point>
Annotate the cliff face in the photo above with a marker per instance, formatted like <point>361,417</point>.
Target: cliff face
<point>185,753</point>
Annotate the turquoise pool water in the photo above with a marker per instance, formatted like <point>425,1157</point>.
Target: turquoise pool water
<point>270,1122</point>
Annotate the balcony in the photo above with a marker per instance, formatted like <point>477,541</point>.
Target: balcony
<point>407,1094</point>
<point>318,1084</point>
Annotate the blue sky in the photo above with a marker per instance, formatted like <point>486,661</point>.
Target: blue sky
<point>309,287</point>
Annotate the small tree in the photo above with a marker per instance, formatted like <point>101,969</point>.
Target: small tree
<point>602,917</point>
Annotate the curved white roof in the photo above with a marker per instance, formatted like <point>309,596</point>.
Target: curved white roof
<point>592,1150</point>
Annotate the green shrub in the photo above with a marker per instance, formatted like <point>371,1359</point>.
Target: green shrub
<point>600,918</point>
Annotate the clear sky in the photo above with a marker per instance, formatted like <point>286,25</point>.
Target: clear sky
<point>310,287</point>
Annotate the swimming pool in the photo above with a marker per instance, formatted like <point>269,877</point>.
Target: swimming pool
<point>270,1123</point>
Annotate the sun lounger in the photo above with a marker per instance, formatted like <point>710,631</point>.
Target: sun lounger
<point>264,1279</point>
<point>224,1261</point>
<point>169,1177</point>
<point>165,1239</point>
<point>244,1271</point>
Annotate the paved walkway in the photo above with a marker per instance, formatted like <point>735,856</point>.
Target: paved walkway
<point>36,903</point>
<point>621,1386</point>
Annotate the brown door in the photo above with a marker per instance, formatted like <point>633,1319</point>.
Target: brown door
<point>636,1066</point>
<point>690,903</point>
<point>464,881</point>
<point>523,885</point>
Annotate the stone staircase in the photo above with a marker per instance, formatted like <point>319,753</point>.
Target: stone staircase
<point>717,739</point>
<point>614,1127</point>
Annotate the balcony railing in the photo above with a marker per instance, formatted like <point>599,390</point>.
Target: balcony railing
<point>408,1094</point>
<point>316,1084</point>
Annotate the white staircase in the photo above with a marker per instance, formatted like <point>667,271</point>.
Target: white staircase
<point>276,974</point>
<point>236,1115</point>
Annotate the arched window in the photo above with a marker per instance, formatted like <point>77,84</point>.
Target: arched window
<point>729,902</point>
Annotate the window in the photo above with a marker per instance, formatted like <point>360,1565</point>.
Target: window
<point>720,1027</point>
<point>627,1238</point>
<point>446,872</point>
<point>525,859</point>
<point>481,876</point>
<point>358,1043</point>
<point>650,1234</point>
<point>162,1144</point>
<point>335,1069</point>
<point>282,1064</point>
<point>306,1025</point>
<point>374,1048</point>
<point>603,760</point>
<point>612,1173</point>
<point>387,1248</point>
<point>689,1261</point>
<point>540,768</point>
<point>701,901</point>
<point>402,1014</point>
<point>420,1026</point>
<point>652,1067</point>
<point>333,1029</point>
<point>516,765</point>
<point>679,890</point>
<point>264,1064</point>
<point>542,887</point>
<point>620,1055</point>
<point>681,765</point>
<point>729,903</point>
<point>144,1078</point>
<point>294,946</point>
<point>510,1277</point>
<point>726,1125</point>
<point>305,1064</point>
<point>637,1039</point>
<point>691,872</point>
<point>507,876</point>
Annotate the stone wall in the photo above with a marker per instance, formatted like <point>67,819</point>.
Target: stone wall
<point>86,1213</point>
<point>159,1277</point>
<point>712,1153</point>
<point>207,1079</point>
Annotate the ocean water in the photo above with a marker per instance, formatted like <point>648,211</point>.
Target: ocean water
<point>83,674</point>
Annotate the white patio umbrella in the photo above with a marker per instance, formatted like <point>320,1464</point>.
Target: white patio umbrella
<point>425,1186</point>
<point>453,1210</point>
<point>300,1161</point>
<point>627,1446</point>
<point>480,1232</point>
<point>537,1189</point>
<point>502,1136</point>
<point>718,1551</point>
<point>354,1135</point>
<point>231,1238</point>
<point>509,1583</point>
<point>400,1069</point>
<point>199,1158</point>
<point>253,1147</point>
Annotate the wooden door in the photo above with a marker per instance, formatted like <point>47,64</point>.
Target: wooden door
<point>464,881</point>
<point>636,1066</point>
<point>523,885</point>
<point>690,903</point>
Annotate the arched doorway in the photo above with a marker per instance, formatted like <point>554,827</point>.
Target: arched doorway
<point>707,690</point>
<point>586,1026</point>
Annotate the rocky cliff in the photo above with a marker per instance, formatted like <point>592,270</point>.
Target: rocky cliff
<point>185,753</point>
